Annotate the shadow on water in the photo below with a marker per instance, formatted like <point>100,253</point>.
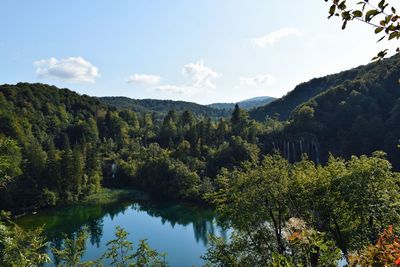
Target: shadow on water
<point>67,221</point>
<point>202,219</point>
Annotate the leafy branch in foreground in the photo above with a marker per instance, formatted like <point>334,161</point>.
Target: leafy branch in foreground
<point>386,251</point>
<point>74,248</point>
<point>341,207</point>
<point>382,16</point>
<point>19,247</point>
<point>120,252</point>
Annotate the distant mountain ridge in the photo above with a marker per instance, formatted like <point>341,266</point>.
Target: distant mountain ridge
<point>161,106</point>
<point>245,104</point>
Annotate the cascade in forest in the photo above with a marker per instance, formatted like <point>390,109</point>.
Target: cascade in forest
<point>292,148</point>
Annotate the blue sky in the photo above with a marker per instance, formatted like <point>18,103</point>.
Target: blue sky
<point>196,50</point>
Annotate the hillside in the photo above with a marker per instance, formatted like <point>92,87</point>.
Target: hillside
<point>161,106</point>
<point>355,116</point>
<point>305,91</point>
<point>57,146</point>
<point>245,104</point>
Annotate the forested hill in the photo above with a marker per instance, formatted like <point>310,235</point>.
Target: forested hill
<point>245,104</point>
<point>305,91</point>
<point>162,106</point>
<point>37,111</point>
<point>358,116</point>
<point>56,146</point>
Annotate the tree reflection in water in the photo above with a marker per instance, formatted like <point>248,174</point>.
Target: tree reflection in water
<point>69,220</point>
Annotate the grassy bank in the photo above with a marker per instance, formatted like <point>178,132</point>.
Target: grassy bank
<point>111,195</point>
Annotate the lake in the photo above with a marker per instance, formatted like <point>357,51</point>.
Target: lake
<point>180,230</point>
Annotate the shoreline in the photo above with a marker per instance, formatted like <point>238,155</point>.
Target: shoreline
<point>110,195</point>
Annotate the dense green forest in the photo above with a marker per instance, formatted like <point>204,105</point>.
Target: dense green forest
<point>354,112</point>
<point>375,75</point>
<point>273,181</point>
<point>161,107</point>
<point>67,143</point>
<point>59,145</point>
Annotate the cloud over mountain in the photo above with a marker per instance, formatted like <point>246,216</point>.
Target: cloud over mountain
<point>72,69</point>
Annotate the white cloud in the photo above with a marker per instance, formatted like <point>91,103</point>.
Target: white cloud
<point>262,79</point>
<point>72,69</point>
<point>174,89</point>
<point>271,38</point>
<point>201,76</point>
<point>145,79</point>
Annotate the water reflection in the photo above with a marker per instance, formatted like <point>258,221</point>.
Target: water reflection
<point>68,221</point>
<point>95,229</point>
<point>202,220</point>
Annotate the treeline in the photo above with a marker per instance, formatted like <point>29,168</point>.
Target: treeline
<point>161,107</point>
<point>65,144</point>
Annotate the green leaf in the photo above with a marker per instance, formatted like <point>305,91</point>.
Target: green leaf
<point>381,4</point>
<point>357,13</point>
<point>370,14</point>
<point>342,5</point>
<point>394,35</point>
<point>332,11</point>
<point>378,30</point>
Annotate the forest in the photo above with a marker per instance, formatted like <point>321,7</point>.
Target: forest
<point>309,186</point>
<point>163,106</point>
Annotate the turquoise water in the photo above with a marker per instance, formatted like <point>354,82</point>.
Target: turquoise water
<point>180,230</point>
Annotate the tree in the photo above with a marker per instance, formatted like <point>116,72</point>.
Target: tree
<point>254,201</point>
<point>53,170</point>
<point>363,188</point>
<point>379,14</point>
<point>93,169</point>
<point>72,251</point>
<point>187,118</point>
<point>19,247</point>
<point>147,127</point>
<point>237,115</point>
<point>168,131</point>
<point>258,200</point>
<point>10,160</point>
<point>120,252</point>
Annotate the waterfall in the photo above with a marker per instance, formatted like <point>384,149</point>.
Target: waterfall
<point>293,147</point>
<point>294,151</point>
<point>301,146</point>
<point>288,150</point>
